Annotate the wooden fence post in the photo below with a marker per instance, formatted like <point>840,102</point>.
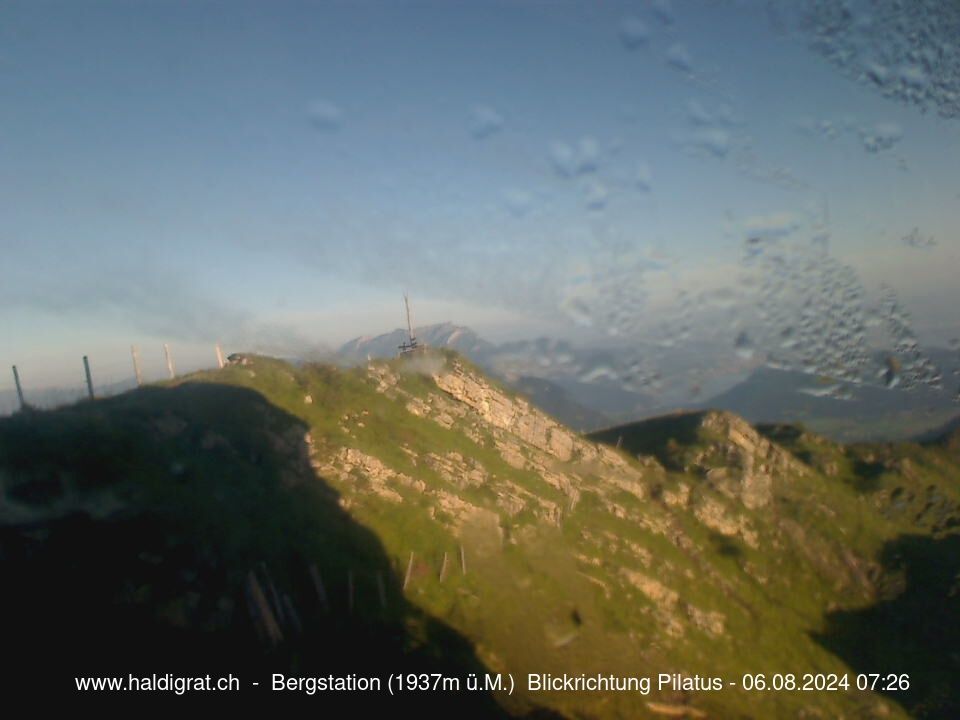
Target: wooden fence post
<point>16,380</point>
<point>86,369</point>
<point>169,356</point>
<point>292,615</point>
<point>406,578</point>
<point>136,364</point>
<point>274,595</point>
<point>261,608</point>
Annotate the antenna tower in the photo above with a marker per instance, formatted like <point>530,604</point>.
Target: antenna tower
<point>411,345</point>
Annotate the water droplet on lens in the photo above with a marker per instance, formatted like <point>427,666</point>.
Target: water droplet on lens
<point>916,240</point>
<point>596,194</point>
<point>485,121</point>
<point>633,33</point>
<point>563,158</point>
<point>881,136</point>
<point>679,57</point>
<point>891,373</point>
<point>715,141</point>
<point>325,115</point>
<point>518,202</point>
<point>744,345</point>
<point>644,177</point>
<point>663,10</point>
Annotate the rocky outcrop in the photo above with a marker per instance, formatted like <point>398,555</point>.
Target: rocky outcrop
<point>529,439</point>
<point>457,470</point>
<point>516,416</point>
<point>381,478</point>
<point>741,463</point>
<point>711,512</point>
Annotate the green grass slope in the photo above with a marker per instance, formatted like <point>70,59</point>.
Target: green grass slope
<point>414,514</point>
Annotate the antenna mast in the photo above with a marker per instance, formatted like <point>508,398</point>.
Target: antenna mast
<point>406,304</point>
<point>411,345</point>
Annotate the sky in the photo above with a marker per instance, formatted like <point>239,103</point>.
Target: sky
<point>274,175</point>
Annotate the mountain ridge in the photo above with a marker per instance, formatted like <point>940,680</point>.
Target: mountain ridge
<point>579,387</point>
<point>717,548</point>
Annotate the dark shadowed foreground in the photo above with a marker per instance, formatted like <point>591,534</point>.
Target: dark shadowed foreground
<point>136,542</point>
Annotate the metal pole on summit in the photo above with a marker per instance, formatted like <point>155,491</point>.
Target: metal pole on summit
<point>16,381</point>
<point>136,364</point>
<point>411,344</point>
<point>86,369</point>
<point>406,303</point>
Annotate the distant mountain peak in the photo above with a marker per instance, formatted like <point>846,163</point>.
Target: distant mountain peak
<point>445,334</point>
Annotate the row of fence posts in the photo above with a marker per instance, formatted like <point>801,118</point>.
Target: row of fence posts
<point>275,613</point>
<point>444,565</point>
<point>137,372</point>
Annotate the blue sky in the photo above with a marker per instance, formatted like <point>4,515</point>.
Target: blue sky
<point>275,174</point>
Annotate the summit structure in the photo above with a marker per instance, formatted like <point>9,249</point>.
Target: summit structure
<point>411,344</point>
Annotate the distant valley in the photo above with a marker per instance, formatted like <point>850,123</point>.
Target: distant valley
<point>575,385</point>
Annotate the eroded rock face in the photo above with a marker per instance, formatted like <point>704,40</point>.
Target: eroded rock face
<point>530,439</point>
<point>751,464</point>
<point>520,419</point>
<point>457,470</point>
<point>380,477</point>
<point>674,614</point>
<point>515,416</point>
<point>715,516</point>
<point>711,622</point>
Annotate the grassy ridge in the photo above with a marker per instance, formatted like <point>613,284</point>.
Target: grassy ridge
<point>203,481</point>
